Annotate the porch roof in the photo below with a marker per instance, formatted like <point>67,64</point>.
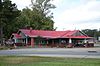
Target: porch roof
<point>16,35</point>
<point>80,37</point>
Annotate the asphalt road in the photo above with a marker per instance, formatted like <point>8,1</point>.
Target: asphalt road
<point>54,52</point>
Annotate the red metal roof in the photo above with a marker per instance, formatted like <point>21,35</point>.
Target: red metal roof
<point>16,35</point>
<point>69,33</point>
<point>51,34</point>
<point>42,33</point>
<point>82,37</point>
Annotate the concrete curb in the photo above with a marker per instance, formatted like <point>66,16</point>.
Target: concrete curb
<point>66,56</point>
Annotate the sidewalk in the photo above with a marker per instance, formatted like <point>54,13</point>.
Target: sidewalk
<point>66,56</point>
<point>58,49</point>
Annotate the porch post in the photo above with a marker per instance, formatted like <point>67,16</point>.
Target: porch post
<point>32,42</point>
<point>52,43</point>
<point>59,41</point>
<point>15,40</point>
<point>46,44</point>
<point>70,40</point>
<point>85,41</point>
<point>70,45</point>
<point>59,44</point>
<point>26,40</point>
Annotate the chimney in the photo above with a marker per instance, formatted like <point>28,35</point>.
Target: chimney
<point>30,29</point>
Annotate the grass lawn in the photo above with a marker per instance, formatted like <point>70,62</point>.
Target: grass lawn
<point>46,61</point>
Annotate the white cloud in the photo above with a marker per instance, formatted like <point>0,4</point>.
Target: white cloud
<point>57,2</point>
<point>81,14</point>
<point>22,3</point>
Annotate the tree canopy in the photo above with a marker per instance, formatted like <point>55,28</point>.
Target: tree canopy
<point>92,32</point>
<point>8,13</point>
<point>39,16</point>
<point>43,6</point>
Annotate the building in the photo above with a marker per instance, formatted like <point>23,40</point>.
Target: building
<point>42,38</point>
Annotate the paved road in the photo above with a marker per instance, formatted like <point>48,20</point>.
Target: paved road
<point>55,52</point>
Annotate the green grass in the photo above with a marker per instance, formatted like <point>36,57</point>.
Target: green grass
<point>3,48</point>
<point>46,61</point>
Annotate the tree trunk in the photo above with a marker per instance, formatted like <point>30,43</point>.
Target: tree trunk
<point>1,35</point>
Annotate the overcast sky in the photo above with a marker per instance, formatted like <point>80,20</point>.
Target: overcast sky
<point>72,14</point>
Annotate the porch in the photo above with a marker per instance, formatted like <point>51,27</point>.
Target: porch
<point>57,42</point>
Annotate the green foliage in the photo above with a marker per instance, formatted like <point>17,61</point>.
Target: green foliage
<point>38,17</point>
<point>42,9</point>
<point>8,14</point>
<point>43,6</point>
<point>92,32</point>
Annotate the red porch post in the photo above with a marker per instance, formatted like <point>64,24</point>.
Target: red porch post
<point>32,42</point>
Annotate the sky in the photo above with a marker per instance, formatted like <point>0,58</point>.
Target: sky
<point>72,14</point>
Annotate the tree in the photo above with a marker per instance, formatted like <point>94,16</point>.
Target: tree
<point>92,33</point>
<point>38,17</point>
<point>1,22</point>
<point>25,19</point>
<point>8,12</point>
<point>42,9</point>
<point>43,6</point>
<point>11,19</point>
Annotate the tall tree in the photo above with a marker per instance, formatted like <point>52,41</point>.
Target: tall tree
<point>42,9</point>
<point>9,12</point>
<point>39,17</point>
<point>43,6</point>
<point>1,22</point>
